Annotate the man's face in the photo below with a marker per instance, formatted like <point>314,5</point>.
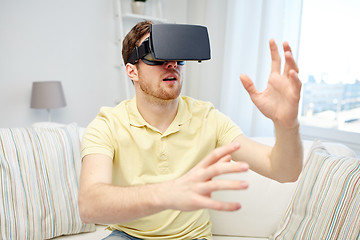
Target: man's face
<point>160,81</point>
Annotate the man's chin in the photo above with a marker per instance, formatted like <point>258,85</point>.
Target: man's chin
<point>169,98</point>
<point>170,95</point>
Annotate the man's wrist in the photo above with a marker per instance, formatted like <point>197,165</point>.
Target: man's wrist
<point>288,127</point>
<point>159,196</point>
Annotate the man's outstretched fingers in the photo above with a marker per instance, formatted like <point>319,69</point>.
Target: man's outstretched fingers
<point>223,184</point>
<point>286,47</point>
<point>290,63</point>
<point>224,168</point>
<point>275,57</point>
<point>295,82</point>
<point>248,84</point>
<point>218,153</point>
<point>218,205</point>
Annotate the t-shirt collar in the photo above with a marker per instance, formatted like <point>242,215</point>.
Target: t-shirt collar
<point>135,118</point>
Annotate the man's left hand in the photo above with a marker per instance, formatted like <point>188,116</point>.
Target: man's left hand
<point>280,100</point>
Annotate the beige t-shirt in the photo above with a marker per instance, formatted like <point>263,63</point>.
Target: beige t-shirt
<point>142,154</point>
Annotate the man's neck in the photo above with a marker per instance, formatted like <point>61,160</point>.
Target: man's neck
<point>158,113</point>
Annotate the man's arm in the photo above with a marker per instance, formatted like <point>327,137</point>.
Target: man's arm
<point>279,102</point>
<point>282,162</point>
<point>102,202</point>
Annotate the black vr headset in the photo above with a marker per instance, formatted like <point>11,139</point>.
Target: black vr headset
<point>173,42</point>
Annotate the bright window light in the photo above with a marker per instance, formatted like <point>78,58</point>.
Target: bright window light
<point>329,62</point>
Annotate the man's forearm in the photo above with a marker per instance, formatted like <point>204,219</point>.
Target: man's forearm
<point>287,154</point>
<point>108,204</point>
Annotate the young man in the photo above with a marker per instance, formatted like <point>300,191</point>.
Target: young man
<point>149,163</point>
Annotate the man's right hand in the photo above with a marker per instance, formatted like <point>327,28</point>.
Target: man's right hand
<point>193,190</point>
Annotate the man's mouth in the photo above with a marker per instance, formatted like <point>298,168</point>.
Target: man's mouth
<point>170,79</point>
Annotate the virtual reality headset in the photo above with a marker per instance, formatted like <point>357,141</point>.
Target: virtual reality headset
<point>173,42</point>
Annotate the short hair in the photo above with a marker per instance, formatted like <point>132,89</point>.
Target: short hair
<point>132,39</point>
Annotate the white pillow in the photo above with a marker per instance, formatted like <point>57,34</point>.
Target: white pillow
<point>39,178</point>
<point>263,206</point>
<point>326,203</point>
<point>47,124</point>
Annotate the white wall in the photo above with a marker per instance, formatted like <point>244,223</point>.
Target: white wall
<point>67,40</point>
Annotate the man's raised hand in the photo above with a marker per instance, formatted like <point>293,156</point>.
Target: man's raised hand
<point>193,190</point>
<point>280,100</point>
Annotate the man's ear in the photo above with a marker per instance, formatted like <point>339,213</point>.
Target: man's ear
<point>132,71</point>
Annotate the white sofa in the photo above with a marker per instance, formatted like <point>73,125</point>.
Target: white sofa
<point>270,210</point>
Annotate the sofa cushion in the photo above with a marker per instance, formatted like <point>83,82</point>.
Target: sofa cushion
<point>265,202</point>
<point>326,203</point>
<point>100,233</point>
<point>263,205</point>
<point>39,171</point>
<point>218,237</point>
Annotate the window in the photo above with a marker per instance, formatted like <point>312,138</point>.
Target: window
<point>329,62</point>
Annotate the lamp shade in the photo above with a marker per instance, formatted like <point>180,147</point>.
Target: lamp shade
<point>47,95</point>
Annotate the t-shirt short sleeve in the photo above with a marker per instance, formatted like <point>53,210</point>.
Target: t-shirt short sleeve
<point>97,137</point>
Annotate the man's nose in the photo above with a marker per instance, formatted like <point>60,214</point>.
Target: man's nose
<point>170,64</point>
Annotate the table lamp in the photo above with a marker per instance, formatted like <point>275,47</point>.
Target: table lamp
<point>47,95</point>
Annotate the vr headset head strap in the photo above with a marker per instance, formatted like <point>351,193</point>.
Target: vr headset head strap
<point>139,52</point>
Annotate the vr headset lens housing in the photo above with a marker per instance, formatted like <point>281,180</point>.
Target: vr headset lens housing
<point>173,42</point>
<point>150,60</point>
